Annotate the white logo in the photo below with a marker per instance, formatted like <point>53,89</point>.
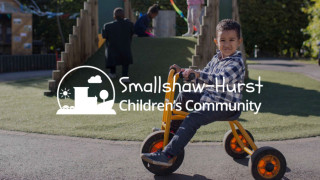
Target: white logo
<point>83,104</point>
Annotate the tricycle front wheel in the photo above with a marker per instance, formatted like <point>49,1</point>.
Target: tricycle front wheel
<point>232,147</point>
<point>153,143</point>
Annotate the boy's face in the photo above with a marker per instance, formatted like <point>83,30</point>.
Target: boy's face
<point>227,42</point>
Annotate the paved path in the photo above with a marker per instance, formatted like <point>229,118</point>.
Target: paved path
<point>311,70</point>
<point>36,156</point>
<point>13,76</point>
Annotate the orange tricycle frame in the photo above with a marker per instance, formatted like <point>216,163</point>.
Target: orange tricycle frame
<point>175,115</point>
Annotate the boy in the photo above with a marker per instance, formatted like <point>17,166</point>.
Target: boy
<point>194,12</point>
<point>141,28</point>
<point>118,35</point>
<point>227,66</point>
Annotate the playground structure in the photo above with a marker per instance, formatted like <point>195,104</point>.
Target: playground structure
<point>85,41</point>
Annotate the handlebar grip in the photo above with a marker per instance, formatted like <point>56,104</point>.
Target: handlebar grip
<point>180,75</point>
<point>191,76</point>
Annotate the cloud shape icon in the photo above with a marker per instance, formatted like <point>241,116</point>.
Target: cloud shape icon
<point>95,79</point>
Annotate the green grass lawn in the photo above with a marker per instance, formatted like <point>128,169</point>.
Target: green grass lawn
<point>251,62</point>
<point>306,61</point>
<point>290,102</point>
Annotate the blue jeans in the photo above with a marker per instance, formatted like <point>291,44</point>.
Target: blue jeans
<point>193,122</point>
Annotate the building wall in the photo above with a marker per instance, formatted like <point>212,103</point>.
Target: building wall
<point>21,34</point>
<point>21,27</point>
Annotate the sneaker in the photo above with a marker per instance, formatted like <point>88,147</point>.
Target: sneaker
<point>196,34</point>
<point>157,158</point>
<point>187,35</point>
<point>112,76</point>
<point>155,129</point>
<point>125,80</point>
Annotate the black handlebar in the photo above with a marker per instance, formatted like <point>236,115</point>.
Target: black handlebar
<point>191,76</point>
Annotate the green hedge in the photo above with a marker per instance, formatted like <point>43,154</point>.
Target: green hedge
<point>46,29</point>
<point>274,25</point>
<point>312,31</point>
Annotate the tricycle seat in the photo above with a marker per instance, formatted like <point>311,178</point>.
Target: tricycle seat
<point>235,116</point>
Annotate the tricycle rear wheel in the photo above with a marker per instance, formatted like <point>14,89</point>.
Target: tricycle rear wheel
<point>267,163</point>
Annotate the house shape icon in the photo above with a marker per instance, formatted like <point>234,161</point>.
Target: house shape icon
<point>82,101</point>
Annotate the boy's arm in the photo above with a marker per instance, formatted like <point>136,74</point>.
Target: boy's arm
<point>205,69</point>
<point>232,71</point>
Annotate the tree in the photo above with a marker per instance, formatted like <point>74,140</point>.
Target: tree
<point>104,95</point>
<point>313,29</point>
<point>274,25</point>
<point>46,28</point>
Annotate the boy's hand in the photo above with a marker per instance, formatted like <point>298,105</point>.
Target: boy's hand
<point>187,72</point>
<point>178,68</point>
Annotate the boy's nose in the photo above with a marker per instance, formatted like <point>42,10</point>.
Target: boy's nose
<point>226,43</point>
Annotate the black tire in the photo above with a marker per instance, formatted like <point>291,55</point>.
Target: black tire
<point>276,166</point>
<point>232,147</point>
<point>147,147</point>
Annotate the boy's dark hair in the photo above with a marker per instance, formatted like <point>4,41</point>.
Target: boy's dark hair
<point>154,9</point>
<point>118,13</point>
<point>227,25</point>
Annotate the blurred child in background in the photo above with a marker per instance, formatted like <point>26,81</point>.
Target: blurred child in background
<point>194,12</point>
